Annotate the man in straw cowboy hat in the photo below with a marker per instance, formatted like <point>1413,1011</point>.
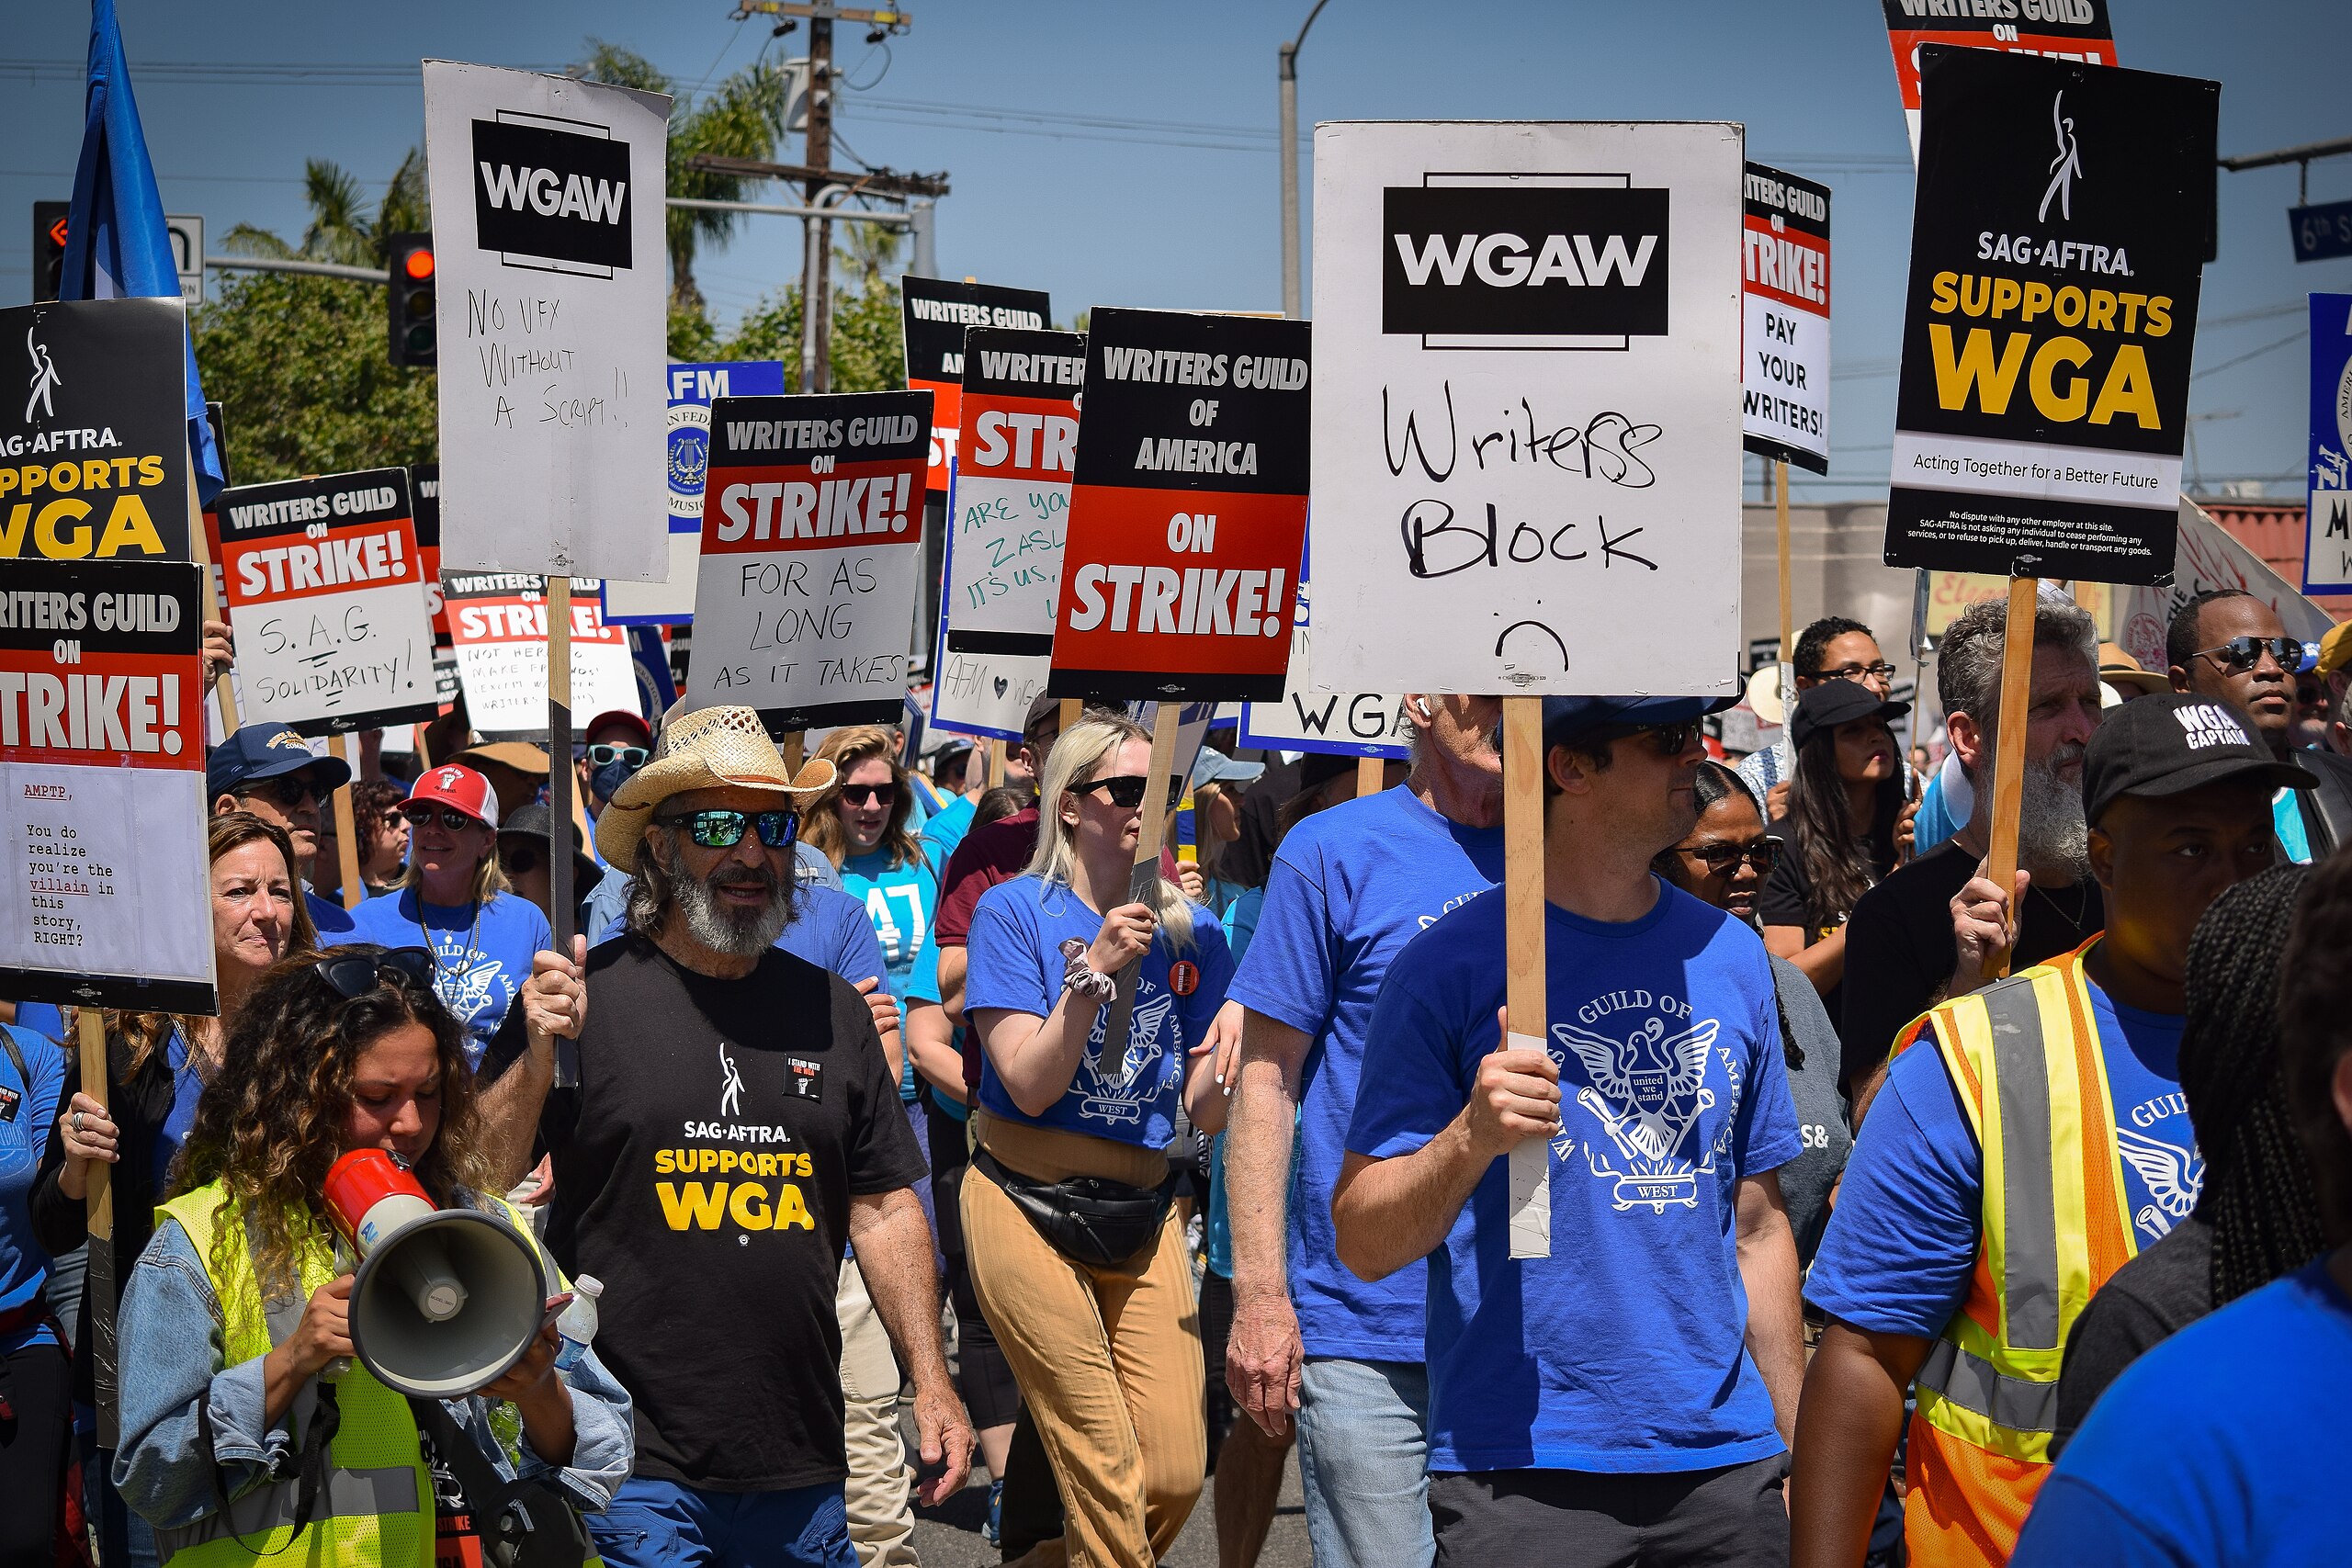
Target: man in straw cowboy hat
<point>734,1126</point>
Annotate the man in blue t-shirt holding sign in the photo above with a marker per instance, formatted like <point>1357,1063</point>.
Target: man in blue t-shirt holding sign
<point>1629,1398</point>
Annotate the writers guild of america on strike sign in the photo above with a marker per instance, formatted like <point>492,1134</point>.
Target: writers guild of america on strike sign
<point>1527,439</point>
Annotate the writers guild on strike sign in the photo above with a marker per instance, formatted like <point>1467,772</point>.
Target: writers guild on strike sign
<point>1018,440</point>
<point>1188,508</point>
<point>1784,337</point>
<point>812,548</point>
<point>2056,255</point>
<point>93,432</point>
<point>102,845</point>
<point>499,622</point>
<point>935,315</point>
<point>326,597</point>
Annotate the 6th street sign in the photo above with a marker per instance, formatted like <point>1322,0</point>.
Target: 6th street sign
<point>2323,232</point>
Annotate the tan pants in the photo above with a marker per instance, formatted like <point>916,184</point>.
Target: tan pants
<point>878,1495</point>
<point>1108,1360</point>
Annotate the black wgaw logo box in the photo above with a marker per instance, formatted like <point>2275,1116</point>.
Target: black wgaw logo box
<point>1562,261</point>
<point>552,193</point>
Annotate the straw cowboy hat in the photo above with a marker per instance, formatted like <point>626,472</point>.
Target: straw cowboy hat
<point>719,748</point>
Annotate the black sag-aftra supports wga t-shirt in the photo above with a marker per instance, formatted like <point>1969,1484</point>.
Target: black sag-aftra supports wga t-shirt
<point>703,1170</point>
<point>1900,952</point>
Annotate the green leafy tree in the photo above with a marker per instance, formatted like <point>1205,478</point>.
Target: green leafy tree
<point>868,346</point>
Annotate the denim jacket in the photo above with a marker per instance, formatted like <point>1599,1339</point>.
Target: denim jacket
<point>169,1311</point>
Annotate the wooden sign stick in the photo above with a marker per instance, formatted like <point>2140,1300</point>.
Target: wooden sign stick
<point>2009,751</point>
<point>996,763</point>
<point>1524,999</point>
<point>1370,771</point>
<point>201,550</point>
<point>346,833</point>
<point>794,750</point>
<point>1788,617</point>
<point>98,1199</point>
<point>1146,870</point>
<point>1070,712</point>
<point>560,779</point>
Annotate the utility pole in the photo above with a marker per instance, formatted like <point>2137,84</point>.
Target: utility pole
<point>1286,70</point>
<point>816,287</point>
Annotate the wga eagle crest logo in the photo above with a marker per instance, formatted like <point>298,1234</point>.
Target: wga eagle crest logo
<point>2174,1176</point>
<point>1647,1090</point>
<point>1111,1095</point>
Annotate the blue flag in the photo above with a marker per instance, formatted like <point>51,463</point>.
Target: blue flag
<point>116,244</point>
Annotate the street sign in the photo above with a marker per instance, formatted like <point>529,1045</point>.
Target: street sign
<point>186,232</point>
<point>2323,232</point>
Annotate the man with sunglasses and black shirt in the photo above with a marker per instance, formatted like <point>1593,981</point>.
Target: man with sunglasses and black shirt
<point>733,1128</point>
<point>1831,649</point>
<point>2228,645</point>
<point>268,770</point>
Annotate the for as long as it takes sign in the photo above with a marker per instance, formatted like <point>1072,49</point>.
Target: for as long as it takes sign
<point>326,596</point>
<point>1188,509</point>
<point>811,547</point>
<point>102,840</point>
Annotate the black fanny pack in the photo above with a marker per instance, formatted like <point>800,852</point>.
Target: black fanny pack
<point>495,1523</point>
<point>1089,1220</point>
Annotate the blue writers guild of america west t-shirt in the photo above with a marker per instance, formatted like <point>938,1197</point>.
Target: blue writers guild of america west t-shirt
<point>1014,962</point>
<point>1348,887</point>
<point>1626,1350</point>
<point>1902,1242</point>
<point>481,954</point>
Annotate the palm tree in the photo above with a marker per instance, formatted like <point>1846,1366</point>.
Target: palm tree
<point>342,228</point>
<point>743,117</point>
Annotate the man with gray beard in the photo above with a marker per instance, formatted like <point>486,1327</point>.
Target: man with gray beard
<point>734,1126</point>
<point>1920,936</point>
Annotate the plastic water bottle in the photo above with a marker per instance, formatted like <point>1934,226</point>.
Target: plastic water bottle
<point>577,1323</point>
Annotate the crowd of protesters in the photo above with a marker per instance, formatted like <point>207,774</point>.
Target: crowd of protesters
<point>877,1100</point>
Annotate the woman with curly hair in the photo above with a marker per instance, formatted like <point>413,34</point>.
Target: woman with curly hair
<point>248,1432</point>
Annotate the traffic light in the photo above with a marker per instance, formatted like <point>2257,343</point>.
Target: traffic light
<point>412,333</point>
<point>48,247</point>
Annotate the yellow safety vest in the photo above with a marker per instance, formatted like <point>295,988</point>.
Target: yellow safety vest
<point>2026,1057</point>
<point>374,1506</point>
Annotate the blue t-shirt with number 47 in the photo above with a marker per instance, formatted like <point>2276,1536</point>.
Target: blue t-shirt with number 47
<point>1626,1350</point>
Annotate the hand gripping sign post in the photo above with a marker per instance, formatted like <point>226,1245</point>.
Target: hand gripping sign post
<point>2059,29</point>
<point>102,823</point>
<point>811,547</point>
<point>935,314</point>
<point>691,387</point>
<point>1188,515</point>
<point>1527,443</point>
<point>547,212</point>
<point>2057,250</point>
<point>2327,521</point>
<point>326,596</point>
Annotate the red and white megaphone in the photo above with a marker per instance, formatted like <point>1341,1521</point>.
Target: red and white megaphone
<point>444,1300</point>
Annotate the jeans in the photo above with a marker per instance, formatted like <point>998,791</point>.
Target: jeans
<point>1363,1463</point>
<point>661,1524</point>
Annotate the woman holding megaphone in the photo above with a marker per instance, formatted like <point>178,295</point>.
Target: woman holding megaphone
<point>278,1403</point>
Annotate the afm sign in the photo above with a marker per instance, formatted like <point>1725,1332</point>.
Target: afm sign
<point>2058,371</point>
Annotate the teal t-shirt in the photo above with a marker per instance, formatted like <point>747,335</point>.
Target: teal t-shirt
<point>900,901</point>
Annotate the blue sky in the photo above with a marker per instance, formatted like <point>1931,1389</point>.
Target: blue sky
<point>1152,179</point>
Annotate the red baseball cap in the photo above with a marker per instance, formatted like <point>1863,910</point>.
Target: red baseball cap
<point>629,717</point>
<point>454,784</point>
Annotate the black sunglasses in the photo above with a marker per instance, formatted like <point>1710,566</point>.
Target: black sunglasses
<point>450,818</point>
<point>723,829</point>
<point>2245,652</point>
<point>603,754</point>
<point>355,975</point>
<point>1668,739</point>
<point>1719,858</point>
<point>1126,790</point>
<point>880,794</point>
<point>519,859</point>
<point>289,790</point>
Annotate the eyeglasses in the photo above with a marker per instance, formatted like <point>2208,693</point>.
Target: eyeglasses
<point>289,790</point>
<point>1668,739</point>
<point>355,974</point>
<point>602,755</point>
<point>519,859</point>
<point>721,829</point>
<point>2240,653</point>
<point>1126,790</point>
<point>1719,858</point>
<point>449,817</point>
<point>879,793</point>
<point>1881,670</point>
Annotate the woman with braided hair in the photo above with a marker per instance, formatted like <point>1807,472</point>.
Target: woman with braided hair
<point>2256,1216</point>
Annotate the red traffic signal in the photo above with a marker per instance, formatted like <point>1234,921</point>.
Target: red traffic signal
<point>413,337</point>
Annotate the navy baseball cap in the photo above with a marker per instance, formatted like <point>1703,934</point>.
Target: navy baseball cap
<point>1568,720</point>
<point>1834,703</point>
<point>263,752</point>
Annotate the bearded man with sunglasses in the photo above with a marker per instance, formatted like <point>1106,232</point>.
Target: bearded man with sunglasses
<point>268,770</point>
<point>2228,645</point>
<point>734,1127</point>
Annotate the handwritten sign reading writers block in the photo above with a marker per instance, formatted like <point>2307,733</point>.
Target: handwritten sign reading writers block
<point>935,314</point>
<point>812,548</point>
<point>1188,509</point>
<point>499,621</point>
<point>1016,447</point>
<point>103,867</point>
<point>1527,435</point>
<point>552,310</point>
<point>2056,258</point>
<point>326,595</point>
<point>94,430</point>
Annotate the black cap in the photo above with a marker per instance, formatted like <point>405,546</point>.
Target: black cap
<point>1569,719</point>
<point>530,822</point>
<point>263,752</point>
<point>2171,742</point>
<point>1834,703</point>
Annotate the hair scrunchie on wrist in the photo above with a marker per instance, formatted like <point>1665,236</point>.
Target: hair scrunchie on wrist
<point>1084,977</point>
